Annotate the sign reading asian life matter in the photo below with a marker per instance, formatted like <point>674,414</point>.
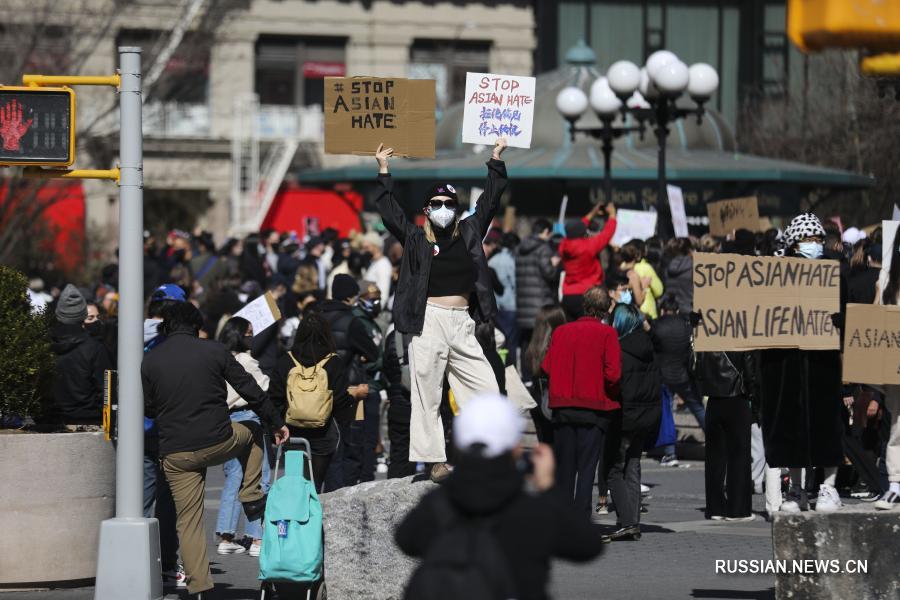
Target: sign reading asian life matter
<point>362,112</point>
<point>751,302</point>
<point>872,344</point>
<point>498,106</point>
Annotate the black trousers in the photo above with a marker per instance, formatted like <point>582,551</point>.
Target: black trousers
<point>729,488</point>
<point>624,475</point>
<point>398,434</point>
<point>577,450</point>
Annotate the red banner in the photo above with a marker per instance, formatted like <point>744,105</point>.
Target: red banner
<point>320,70</point>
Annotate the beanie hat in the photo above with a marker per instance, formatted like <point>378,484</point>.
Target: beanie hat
<point>575,228</point>
<point>489,420</point>
<point>344,287</point>
<point>71,308</point>
<point>802,226</point>
<point>442,189</point>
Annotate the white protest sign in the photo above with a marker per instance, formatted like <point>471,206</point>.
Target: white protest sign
<point>498,106</point>
<point>888,233</point>
<point>474,194</point>
<point>676,206</point>
<point>633,224</point>
<point>261,313</point>
<point>895,216</point>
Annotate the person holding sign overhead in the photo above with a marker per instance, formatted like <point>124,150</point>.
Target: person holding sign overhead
<point>443,288</point>
<point>800,395</point>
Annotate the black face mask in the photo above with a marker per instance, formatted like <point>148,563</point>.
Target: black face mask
<point>365,259</point>
<point>372,308</point>
<point>96,329</point>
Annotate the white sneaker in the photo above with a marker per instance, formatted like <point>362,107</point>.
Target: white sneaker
<point>254,549</point>
<point>176,577</point>
<point>741,519</point>
<point>828,499</point>
<point>790,506</point>
<point>230,548</point>
<point>888,501</point>
<point>645,489</point>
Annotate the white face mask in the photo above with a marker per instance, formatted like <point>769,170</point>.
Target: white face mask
<point>810,249</point>
<point>442,217</point>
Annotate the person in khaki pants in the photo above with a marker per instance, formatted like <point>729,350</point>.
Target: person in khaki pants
<point>185,389</point>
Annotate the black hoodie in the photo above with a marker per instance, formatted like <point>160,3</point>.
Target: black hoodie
<point>530,529</point>
<point>78,379</point>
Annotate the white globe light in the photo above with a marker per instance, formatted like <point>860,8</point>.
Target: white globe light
<point>571,102</point>
<point>647,88</point>
<point>658,59</point>
<point>624,77</point>
<point>703,81</point>
<point>603,100</point>
<point>637,101</point>
<point>671,79</point>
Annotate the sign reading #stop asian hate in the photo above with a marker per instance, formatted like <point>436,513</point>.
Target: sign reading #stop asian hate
<point>498,106</point>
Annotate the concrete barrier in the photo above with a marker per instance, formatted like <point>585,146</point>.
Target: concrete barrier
<point>55,489</point>
<point>361,559</point>
<point>842,543</point>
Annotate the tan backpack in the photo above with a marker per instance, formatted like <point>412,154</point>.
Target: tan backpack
<point>309,400</point>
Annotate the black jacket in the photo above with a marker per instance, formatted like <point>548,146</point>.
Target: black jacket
<point>536,279</point>
<point>678,279</point>
<point>351,338</point>
<point>78,378</point>
<point>671,336</point>
<point>415,268</point>
<point>530,529</point>
<point>394,365</point>
<point>184,390</point>
<point>726,374</point>
<point>641,384</point>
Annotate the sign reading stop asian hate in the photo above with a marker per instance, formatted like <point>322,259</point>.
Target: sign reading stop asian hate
<point>872,344</point>
<point>498,106</point>
<point>37,126</point>
<point>751,302</point>
<point>362,112</point>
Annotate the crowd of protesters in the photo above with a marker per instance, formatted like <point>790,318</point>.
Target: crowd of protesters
<point>412,322</point>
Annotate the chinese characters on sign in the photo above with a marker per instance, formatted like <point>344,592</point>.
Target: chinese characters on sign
<point>362,112</point>
<point>498,106</point>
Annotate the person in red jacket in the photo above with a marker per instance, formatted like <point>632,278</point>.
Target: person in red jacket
<point>583,364</point>
<point>579,258</point>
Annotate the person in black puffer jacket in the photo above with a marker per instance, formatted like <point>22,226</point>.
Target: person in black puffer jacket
<point>537,275</point>
<point>80,363</point>
<point>641,411</point>
<point>677,276</point>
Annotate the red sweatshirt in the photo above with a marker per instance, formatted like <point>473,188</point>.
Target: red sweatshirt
<point>584,365</point>
<point>580,262</point>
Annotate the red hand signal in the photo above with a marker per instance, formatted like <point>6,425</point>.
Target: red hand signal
<point>12,128</point>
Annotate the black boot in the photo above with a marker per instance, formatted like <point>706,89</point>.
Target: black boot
<point>255,509</point>
<point>632,532</point>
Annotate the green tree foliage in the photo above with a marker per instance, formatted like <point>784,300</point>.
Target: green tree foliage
<point>26,361</point>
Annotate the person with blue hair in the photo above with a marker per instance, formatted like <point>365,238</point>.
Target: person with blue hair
<point>639,389</point>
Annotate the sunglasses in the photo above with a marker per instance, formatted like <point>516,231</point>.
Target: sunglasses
<point>435,204</point>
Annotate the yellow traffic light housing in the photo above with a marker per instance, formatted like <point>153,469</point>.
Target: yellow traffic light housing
<point>37,126</point>
<point>820,24</point>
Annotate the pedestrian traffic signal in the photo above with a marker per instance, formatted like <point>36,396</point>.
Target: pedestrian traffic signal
<point>37,126</point>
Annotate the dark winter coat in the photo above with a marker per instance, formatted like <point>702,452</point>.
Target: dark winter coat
<point>536,279</point>
<point>415,268</point>
<point>726,374</point>
<point>350,338</point>
<point>678,281</point>
<point>672,338</point>
<point>78,378</point>
<point>641,384</point>
<point>529,529</point>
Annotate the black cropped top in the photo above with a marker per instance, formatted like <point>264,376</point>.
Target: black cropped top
<point>452,268</point>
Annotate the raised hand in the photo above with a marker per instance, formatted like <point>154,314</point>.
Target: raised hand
<point>382,155</point>
<point>12,128</point>
<point>499,147</point>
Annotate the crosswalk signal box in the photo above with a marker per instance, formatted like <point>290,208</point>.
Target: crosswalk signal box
<point>37,126</point>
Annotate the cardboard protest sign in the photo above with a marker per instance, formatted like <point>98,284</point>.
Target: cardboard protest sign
<point>633,224</point>
<point>750,302</point>
<point>362,112</point>
<point>261,313</point>
<point>676,207</point>
<point>726,216</point>
<point>498,106</point>
<point>872,344</point>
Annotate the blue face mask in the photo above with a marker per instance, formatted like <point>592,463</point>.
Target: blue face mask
<point>810,249</point>
<point>626,297</point>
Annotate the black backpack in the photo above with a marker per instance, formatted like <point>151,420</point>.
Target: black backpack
<point>464,563</point>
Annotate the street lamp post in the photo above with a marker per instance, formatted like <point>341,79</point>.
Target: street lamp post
<point>650,94</point>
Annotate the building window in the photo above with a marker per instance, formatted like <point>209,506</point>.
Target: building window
<point>291,70</point>
<point>185,76</point>
<point>34,48</point>
<point>447,62</point>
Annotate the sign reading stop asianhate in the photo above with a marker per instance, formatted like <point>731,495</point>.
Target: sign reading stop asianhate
<point>498,106</point>
<point>37,126</point>
<point>362,112</point>
<point>751,302</point>
<point>872,344</point>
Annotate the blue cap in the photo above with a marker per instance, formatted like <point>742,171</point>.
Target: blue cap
<point>169,291</point>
